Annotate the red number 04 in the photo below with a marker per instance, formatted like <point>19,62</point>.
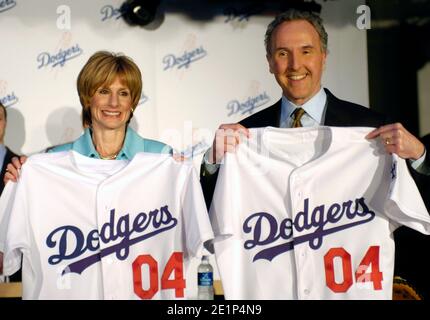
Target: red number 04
<point>371,259</point>
<point>174,265</point>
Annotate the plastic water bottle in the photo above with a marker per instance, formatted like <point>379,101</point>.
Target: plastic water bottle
<point>205,280</point>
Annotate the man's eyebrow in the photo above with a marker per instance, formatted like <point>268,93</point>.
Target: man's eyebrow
<point>308,46</point>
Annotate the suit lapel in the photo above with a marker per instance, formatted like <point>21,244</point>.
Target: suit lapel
<point>7,158</point>
<point>268,117</point>
<point>336,115</point>
<point>274,114</point>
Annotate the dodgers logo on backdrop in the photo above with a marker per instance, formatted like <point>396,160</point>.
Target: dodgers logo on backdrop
<point>241,14</point>
<point>143,99</point>
<point>320,222</point>
<point>109,12</point>
<point>46,59</point>
<point>248,106</point>
<point>171,61</point>
<point>6,5</point>
<point>70,242</point>
<point>9,99</point>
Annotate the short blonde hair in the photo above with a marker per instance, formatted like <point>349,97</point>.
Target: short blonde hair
<point>102,68</point>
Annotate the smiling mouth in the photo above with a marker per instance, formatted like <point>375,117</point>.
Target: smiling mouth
<point>297,77</point>
<point>111,113</point>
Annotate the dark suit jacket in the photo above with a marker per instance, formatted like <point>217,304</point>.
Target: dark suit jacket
<point>342,113</point>
<point>411,246</point>
<point>7,158</point>
<point>16,277</point>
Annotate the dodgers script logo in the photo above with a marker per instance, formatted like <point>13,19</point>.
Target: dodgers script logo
<point>45,59</point>
<point>170,61</point>
<point>109,12</point>
<point>393,170</point>
<point>242,14</point>
<point>7,5</point>
<point>319,220</point>
<point>9,100</point>
<point>71,243</point>
<point>249,105</point>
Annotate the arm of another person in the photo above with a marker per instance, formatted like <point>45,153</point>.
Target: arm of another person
<point>12,173</point>
<point>13,168</point>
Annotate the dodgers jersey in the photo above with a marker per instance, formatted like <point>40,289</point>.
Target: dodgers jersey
<point>100,229</point>
<point>309,213</point>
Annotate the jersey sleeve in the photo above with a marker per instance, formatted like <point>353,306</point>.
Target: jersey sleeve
<point>198,229</point>
<point>225,203</point>
<point>404,203</point>
<point>13,226</point>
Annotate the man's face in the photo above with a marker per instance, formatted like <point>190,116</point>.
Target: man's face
<point>2,125</point>
<point>297,60</point>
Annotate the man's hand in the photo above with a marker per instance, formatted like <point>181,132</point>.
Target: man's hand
<point>398,140</point>
<point>13,168</point>
<point>227,137</point>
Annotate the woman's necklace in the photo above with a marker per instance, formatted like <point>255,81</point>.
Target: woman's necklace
<point>111,157</point>
<point>108,157</point>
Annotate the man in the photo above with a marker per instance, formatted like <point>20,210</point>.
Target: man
<point>5,154</point>
<point>5,157</point>
<point>296,50</point>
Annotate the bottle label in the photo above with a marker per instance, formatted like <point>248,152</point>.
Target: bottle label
<point>205,278</point>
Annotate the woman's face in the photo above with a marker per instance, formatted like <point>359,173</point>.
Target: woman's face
<point>110,106</point>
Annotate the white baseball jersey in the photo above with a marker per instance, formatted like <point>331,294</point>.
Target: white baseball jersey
<point>309,213</point>
<point>99,229</point>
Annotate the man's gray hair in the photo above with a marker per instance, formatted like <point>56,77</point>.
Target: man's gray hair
<point>292,15</point>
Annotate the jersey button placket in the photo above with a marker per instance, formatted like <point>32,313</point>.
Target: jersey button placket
<point>298,189</point>
<point>103,217</point>
<point>299,251</point>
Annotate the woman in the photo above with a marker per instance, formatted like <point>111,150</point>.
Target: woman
<point>109,88</point>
